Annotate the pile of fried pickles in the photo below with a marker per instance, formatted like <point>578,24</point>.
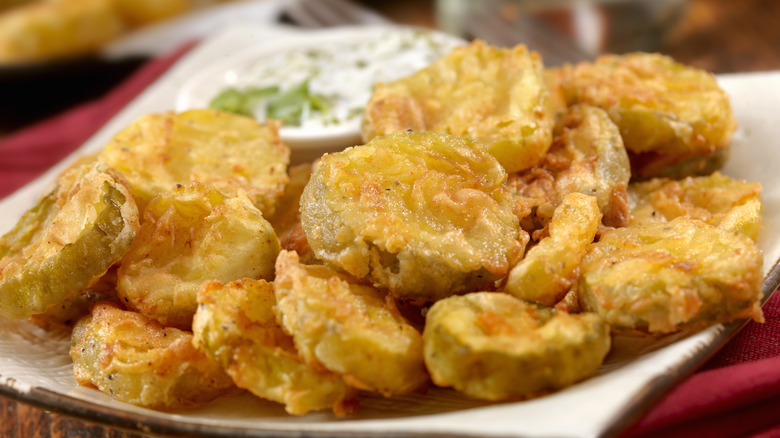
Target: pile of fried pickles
<point>500,223</point>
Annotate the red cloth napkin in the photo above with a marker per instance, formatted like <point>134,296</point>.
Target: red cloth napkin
<point>736,394</point>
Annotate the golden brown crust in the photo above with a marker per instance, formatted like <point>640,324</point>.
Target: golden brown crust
<point>495,96</point>
<point>423,214</point>
<point>717,199</point>
<point>235,324</point>
<point>665,277</point>
<point>188,236</point>
<point>228,151</point>
<point>63,245</point>
<point>493,346</point>
<point>667,113</point>
<point>588,157</point>
<point>550,268</point>
<point>348,328</point>
<point>136,360</point>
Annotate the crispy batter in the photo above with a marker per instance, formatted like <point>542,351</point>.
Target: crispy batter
<point>587,156</point>
<point>716,199</point>
<point>422,229</point>
<point>674,119</point>
<point>81,227</point>
<point>188,236</point>
<point>495,96</point>
<point>665,277</point>
<point>493,346</point>
<point>228,151</point>
<point>287,218</point>
<point>135,360</point>
<point>235,325</point>
<point>349,328</point>
<point>424,214</point>
<point>550,268</point>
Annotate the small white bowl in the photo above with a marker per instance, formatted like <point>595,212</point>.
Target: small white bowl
<point>349,61</point>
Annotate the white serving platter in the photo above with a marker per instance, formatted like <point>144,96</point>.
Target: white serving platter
<point>35,366</point>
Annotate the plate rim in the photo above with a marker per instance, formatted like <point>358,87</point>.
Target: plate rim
<point>652,392</point>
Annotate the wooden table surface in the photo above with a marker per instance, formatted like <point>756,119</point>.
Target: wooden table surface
<point>722,36</point>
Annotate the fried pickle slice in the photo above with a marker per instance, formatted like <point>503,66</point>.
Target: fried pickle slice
<point>493,346</point>
<point>228,151</point>
<point>188,236</point>
<point>550,268</point>
<point>235,324</point>
<point>137,361</point>
<point>65,243</point>
<point>587,156</point>
<point>717,199</point>
<point>348,328</point>
<point>675,120</point>
<point>665,277</point>
<point>66,314</point>
<point>496,96</point>
<point>423,214</point>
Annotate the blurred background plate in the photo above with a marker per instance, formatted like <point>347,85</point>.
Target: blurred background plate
<point>34,89</point>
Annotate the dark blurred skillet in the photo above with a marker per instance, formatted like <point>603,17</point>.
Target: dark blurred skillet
<point>34,91</point>
<point>31,92</point>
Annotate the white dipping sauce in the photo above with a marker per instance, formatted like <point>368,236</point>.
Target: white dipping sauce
<point>344,72</point>
<point>341,64</point>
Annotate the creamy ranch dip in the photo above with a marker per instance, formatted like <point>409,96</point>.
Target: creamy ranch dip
<point>336,79</point>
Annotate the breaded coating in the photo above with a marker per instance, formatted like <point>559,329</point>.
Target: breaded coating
<point>82,226</point>
<point>423,214</point>
<point>493,346</point>
<point>675,120</point>
<point>228,151</point>
<point>549,269</point>
<point>235,324</point>
<point>665,277</point>
<point>717,199</point>
<point>588,157</point>
<point>348,328</point>
<point>287,218</point>
<point>188,236</point>
<point>493,95</point>
<point>136,360</point>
